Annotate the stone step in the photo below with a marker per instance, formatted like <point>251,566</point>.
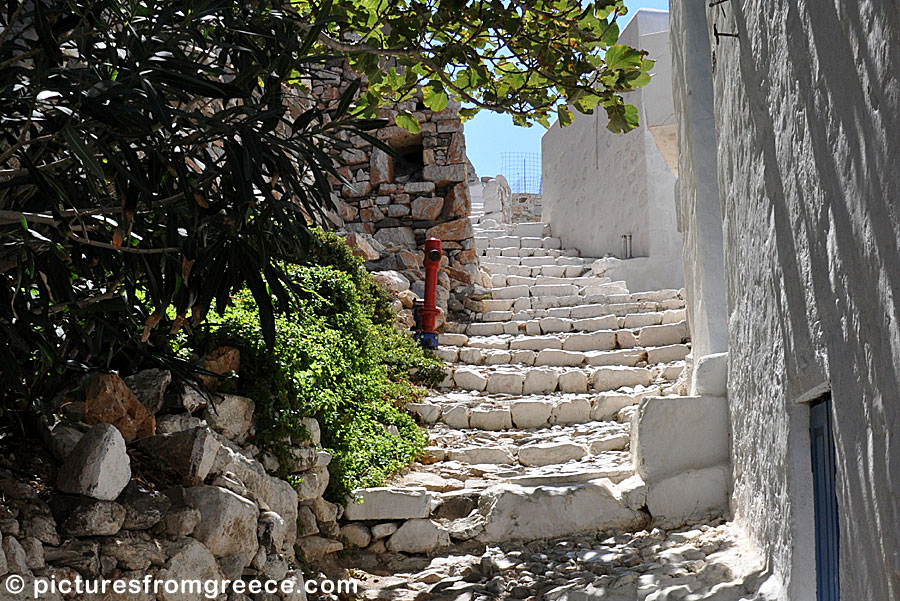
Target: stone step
<point>559,357</point>
<point>461,410</point>
<point>653,335</point>
<point>487,254</point>
<point>496,264</point>
<point>484,242</point>
<point>498,275</point>
<point>541,380</point>
<point>530,229</point>
<point>568,308</point>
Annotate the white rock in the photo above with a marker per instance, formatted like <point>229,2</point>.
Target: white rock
<point>573,381</point>
<point>505,381</point>
<point>548,453</point>
<point>231,416</point>
<point>472,356</point>
<point>315,432</point>
<point>572,411</point>
<point>429,413</point>
<point>188,560</point>
<point>663,335</point>
<point>710,375</point>
<point>526,357</point>
<point>559,358</point>
<point>666,354</point>
<point>551,325</point>
<point>626,339</point>
<point>448,354</point>
<point>456,417</point>
<point>418,536</point>
<point>689,496</point>
<point>497,358</point>
<point>356,535</point>
<point>476,455</point>
<point>392,281</point>
<point>536,343</point>
<point>380,531</point>
<point>602,340</point>
<point>452,339</point>
<point>615,377</point>
<point>626,357</point>
<point>615,442</point>
<point>674,434</point>
<point>98,466</point>
<point>530,414</point>
<point>388,503</point>
<point>490,419</point>
<point>509,292</point>
<point>540,379</point>
<point>523,512</point>
<point>640,320</point>
<point>469,379</point>
<point>227,521</point>
<point>607,404</point>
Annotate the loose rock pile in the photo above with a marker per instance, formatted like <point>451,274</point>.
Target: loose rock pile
<point>156,479</point>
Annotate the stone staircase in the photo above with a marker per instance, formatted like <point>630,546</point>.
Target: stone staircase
<point>530,434</point>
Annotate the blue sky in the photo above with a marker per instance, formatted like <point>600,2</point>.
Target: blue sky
<point>488,134</point>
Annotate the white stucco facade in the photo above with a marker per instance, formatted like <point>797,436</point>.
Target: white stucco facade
<point>806,106</point>
<point>598,185</point>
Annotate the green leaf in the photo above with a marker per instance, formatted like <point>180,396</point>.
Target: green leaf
<point>88,160</point>
<point>435,98</point>
<point>408,122</point>
<point>619,56</point>
<point>622,118</point>
<point>565,116</point>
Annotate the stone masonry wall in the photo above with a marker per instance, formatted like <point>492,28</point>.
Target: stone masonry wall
<point>807,103</point>
<point>146,478</point>
<point>393,205</point>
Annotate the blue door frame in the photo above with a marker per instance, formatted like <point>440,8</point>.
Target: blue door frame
<point>825,501</point>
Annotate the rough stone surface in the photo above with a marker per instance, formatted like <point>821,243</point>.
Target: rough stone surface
<point>675,434</point>
<point>231,415</point>
<point>96,518</point>
<point>98,466</point>
<point>150,386</point>
<point>418,536</point>
<point>389,504</point>
<point>516,512</point>
<point>227,521</point>
<point>108,400</point>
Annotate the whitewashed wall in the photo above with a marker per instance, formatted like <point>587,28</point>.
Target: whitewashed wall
<point>598,185</point>
<point>807,113</point>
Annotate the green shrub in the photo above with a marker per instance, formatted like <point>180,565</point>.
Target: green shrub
<point>327,248</point>
<point>332,360</point>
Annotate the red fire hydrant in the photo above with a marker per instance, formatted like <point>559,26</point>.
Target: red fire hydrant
<point>427,311</point>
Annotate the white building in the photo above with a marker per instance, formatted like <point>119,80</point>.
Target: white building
<point>791,237</point>
<point>599,186</point>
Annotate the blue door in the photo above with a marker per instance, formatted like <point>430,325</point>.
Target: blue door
<point>825,500</point>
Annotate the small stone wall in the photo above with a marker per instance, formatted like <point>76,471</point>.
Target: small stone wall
<point>148,478</point>
<point>393,204</point>
<point>522,208</point>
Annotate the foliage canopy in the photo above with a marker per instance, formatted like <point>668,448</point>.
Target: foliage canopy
<point>159,156</point>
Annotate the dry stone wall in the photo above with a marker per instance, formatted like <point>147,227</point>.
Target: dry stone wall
<point>149,478</point>
<point>391,205</point>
